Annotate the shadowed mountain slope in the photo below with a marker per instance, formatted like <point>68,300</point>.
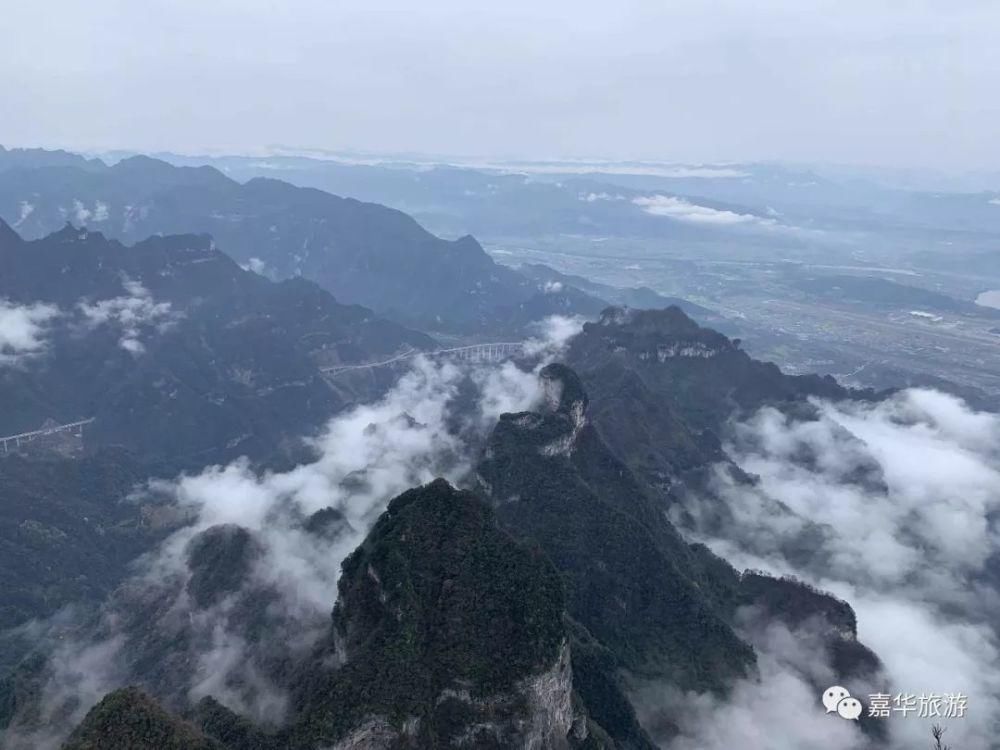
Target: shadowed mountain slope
<point>663,388</point>
<point>631,579</point>
<point>175,350</point>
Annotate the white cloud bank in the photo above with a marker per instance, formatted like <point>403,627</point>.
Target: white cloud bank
<point>23,329</point>
<point>892,507</point>
<point>594,197</point>
<point>777,712</point>
<point>84,215</point>
<point>25,209</point>
<point>705,172</point>
<point>132,312</point>
<point>692,213</point>
<point>256,265</point>
<point>552,335</point>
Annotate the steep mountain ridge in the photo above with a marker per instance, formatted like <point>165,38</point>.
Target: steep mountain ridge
<point>172,332</point>
<point>33,158</point>
<point>445,633</point>
<point>661,610</point>
<point>632,580</point>
<point>423,604</point>
<point>663,390</point>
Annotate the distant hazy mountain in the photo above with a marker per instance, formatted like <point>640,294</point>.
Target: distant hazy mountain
<point>36,157</point>
<point>361,252</point>
<point>891,295</point>
<point>532,199</point>
<point>641,298</point>
<point>506,202</point>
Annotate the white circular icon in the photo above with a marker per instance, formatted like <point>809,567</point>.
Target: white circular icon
<point>832,696</point>
<point>849,708</point>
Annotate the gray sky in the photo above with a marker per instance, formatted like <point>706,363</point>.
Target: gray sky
<point>892,82</point>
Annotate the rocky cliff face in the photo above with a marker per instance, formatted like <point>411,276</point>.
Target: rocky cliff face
<point>448,634</point>
<point>829,621</point>
<point>663,388</point>
<point>537,713</point>
<point>648,607</point>
<point>632,581</point>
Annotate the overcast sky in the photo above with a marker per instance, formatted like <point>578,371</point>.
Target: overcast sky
<point>891,82</point>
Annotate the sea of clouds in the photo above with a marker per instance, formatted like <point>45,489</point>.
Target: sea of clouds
<point>425,427</point>
<point>891,506</point>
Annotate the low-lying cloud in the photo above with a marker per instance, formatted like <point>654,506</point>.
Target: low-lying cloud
<point>132,313</point>
<point>23,330</point>
<point>594,197</point>
<point>693,213</point>
<point>892,507</point>
<point>256,265</point>
<point>82,214</point>
<point>426,426</point>
<point>24,210</point>
<point>552,335</point>
<point>777,710</point>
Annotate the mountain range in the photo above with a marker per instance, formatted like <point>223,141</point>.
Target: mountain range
<point>174,349</point>
<point>245,551</point>
<point>182,359</point>
<point>363,253</point>
<point>537,199</point>
<point>522,612</point>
